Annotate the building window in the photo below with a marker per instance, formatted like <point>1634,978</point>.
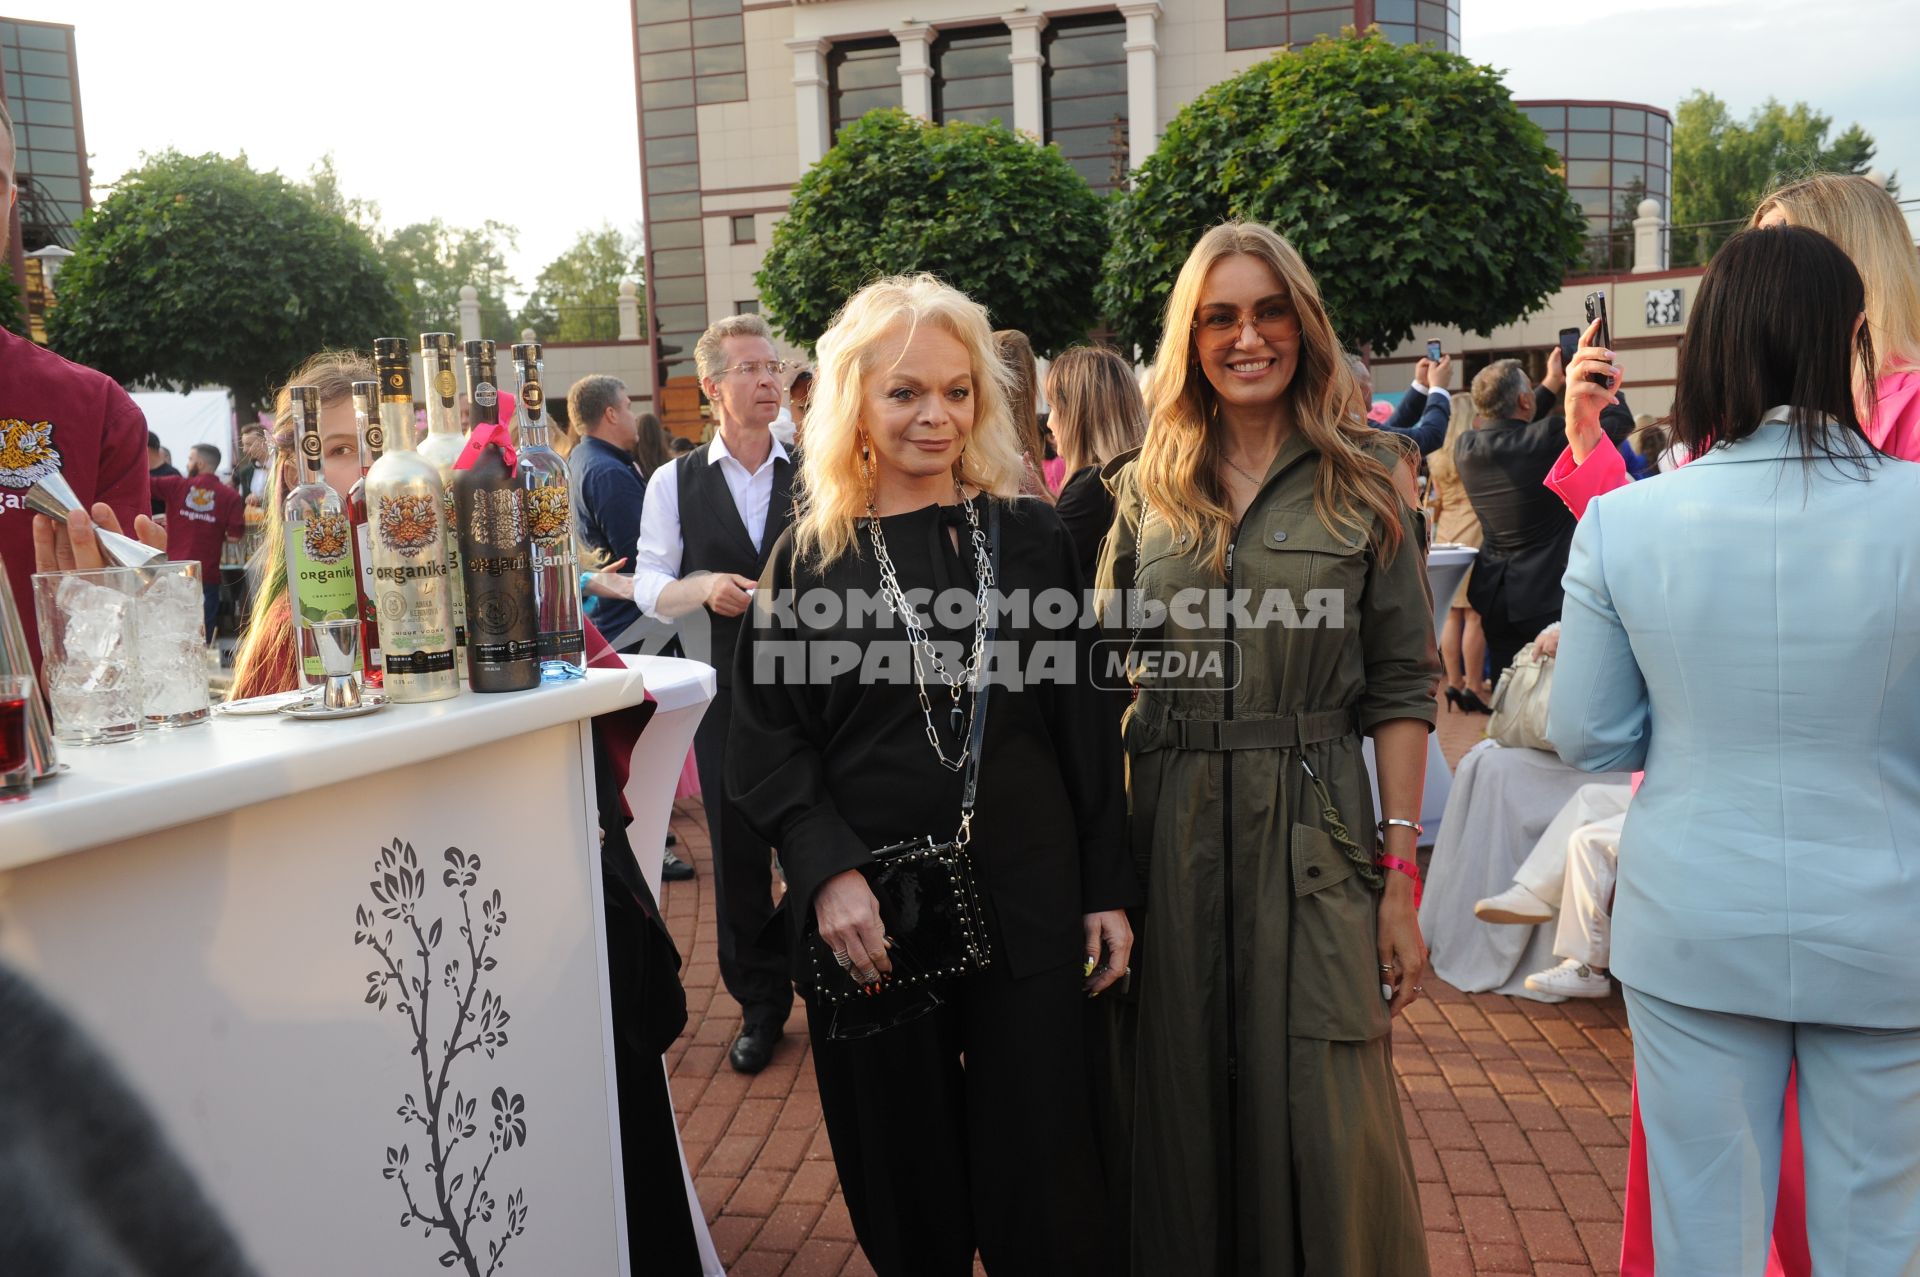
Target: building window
<point>972,76</point>
<point>861,75</point>
<point>749,307</point>
<point>36,66</point>
<point>1611,158</point>
<point>1086,96</point>
<point>1272,24</point>
<point>743,230</point>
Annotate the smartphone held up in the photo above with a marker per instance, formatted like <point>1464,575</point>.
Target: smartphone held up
<point>1603,339</point>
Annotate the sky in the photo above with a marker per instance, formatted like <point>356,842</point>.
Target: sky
<point>524,113</point>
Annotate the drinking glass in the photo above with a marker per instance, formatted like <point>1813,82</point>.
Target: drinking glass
<point>16,760</point>
<point>172,647</point>
<point>88,641</point>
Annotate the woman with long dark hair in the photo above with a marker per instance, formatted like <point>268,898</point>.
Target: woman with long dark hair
<point>1279,935</point>
<point>1735,629</point>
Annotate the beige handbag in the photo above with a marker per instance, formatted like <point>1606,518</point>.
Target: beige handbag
<point>1520,702</point>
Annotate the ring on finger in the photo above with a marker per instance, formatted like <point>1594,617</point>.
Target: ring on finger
<point>844,958</point>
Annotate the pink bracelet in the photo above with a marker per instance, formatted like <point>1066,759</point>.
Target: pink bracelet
<point>1407,867</point>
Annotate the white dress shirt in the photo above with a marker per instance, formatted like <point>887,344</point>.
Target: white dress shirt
<point>656,561</point>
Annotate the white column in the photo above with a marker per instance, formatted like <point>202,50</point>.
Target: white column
<point>469,313</point>
<point>1649,245</point>
<point>1029,64</point>
<point>916,70</point>
<point>1143,81</point>
<point>629,310</point>
<point>811,123</point>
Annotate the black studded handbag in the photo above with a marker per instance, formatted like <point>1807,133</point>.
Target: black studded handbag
<point>929,902</point>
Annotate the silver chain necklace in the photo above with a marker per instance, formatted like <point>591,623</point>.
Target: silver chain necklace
<point>924,655</point>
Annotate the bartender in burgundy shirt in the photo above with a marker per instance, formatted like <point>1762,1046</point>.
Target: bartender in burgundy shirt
<point>203,514</point>
<point>56,416</point>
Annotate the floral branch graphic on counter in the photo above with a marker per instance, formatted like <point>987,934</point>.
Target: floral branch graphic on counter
<point>434,1196</point>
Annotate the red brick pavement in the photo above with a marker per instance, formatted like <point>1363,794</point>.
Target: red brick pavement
<point>1517,1112</point>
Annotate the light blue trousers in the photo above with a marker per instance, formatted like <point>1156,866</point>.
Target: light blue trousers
<point>1712,1089</point>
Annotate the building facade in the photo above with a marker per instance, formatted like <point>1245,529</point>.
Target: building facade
<point>40,79</point>
<point>737,98</point>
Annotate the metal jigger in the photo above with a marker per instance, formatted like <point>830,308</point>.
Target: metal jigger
<point>339,644</point>
<point>16,659</point>
<point>53,497</point>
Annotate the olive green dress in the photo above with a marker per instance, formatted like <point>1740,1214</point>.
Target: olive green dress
<point>1266,1129</point>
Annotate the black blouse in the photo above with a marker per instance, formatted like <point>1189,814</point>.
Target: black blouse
<point>1086,508</point>
<point>828,768</point>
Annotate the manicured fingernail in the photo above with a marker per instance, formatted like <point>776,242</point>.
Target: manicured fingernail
<point>1386,992</point>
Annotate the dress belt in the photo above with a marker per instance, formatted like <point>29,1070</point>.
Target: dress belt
<point>1215,735</point>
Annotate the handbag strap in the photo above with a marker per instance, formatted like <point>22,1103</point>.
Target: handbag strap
<point>983,686</point>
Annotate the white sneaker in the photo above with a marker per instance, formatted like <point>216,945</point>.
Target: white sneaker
<point>1571,979</point>
<point>1515,905</point>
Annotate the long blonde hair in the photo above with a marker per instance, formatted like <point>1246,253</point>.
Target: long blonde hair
<point>1097,411</point>
<point>1177,469</point>
<point>332,373</point>
<point>1859,216</point>
<point>834,490</point>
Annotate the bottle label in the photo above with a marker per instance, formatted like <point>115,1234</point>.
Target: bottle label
<point>533,397</point>
<point>504,653</point>
<point>363,536</point>
<point>548,515</point>
<point>566,644</point>
<point>443,383</point>
<point>454,584</point>
<point>420,662</point>
<point>320,573</point>
<point>485,395</point>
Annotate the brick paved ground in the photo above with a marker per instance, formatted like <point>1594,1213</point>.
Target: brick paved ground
<point>1517,1113</point>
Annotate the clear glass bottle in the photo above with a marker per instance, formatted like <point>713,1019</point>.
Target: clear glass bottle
<point>366,424</point>
<point>503,635</point>
<point>321,582</point>
<point>407,503</point>
<point>446,436</point>
<point>546,496</point>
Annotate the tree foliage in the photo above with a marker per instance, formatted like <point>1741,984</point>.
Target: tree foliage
<point>1415,189</point>
<point>13,311</point>
<point>431,261</point>
<point>199,270</point>
<point>577,294</point>
<point>1722,166</point>
<point>1005,220</point>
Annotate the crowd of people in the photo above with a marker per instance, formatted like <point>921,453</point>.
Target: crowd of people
<point>1162,1040</point>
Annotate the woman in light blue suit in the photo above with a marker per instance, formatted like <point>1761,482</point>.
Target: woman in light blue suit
<point>1747,630</point>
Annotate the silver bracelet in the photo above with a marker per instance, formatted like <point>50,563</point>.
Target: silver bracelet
<point>1414,825</point>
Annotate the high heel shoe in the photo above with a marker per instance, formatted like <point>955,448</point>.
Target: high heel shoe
<point>1472,703</point>
<point>1455,700</point>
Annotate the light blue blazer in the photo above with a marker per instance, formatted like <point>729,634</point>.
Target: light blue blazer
<point>1747,630</point>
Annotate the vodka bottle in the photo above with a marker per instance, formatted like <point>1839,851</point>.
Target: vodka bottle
<point>545,493</point>
<point>503,635</point>
<point>407,508</point>
<point>446,436</point>
<point>321,582</point>
<point>366,423</point>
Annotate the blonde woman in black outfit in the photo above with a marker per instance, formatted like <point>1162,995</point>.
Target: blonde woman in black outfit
<point>960,1121</point>
<point>1098,415</point>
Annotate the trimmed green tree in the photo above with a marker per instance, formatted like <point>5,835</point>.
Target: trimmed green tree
<point>1000,217</point>
<point>199,270</point>
<point>1411,184</point>
<point>577,295</point>
<point>13,311</point>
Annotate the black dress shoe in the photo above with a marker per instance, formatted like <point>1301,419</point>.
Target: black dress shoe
<point>671,840</point>
<point>674,869</point>
<point>753,1048</point>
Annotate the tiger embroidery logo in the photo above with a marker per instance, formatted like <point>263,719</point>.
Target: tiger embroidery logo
<point>327,537</point>
<point>27,454</point>
<point>200,500</point>
<point>407,524</point>
<point>547,514</point>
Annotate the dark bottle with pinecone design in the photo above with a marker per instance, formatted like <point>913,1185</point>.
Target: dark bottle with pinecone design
<point>496,561</point>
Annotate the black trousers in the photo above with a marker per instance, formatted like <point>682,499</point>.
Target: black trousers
<point>1505,636</point>
<point>753,956</point>
<point>967,1128</point>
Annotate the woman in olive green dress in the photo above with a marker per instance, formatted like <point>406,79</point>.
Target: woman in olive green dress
<point>1277,610</point>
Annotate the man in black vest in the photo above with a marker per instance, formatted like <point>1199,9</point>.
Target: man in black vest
<point>709,519</point>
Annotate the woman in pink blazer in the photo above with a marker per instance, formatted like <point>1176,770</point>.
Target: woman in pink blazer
<point>1859,216</point>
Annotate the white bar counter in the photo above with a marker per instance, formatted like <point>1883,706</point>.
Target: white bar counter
<point>253,916</point>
